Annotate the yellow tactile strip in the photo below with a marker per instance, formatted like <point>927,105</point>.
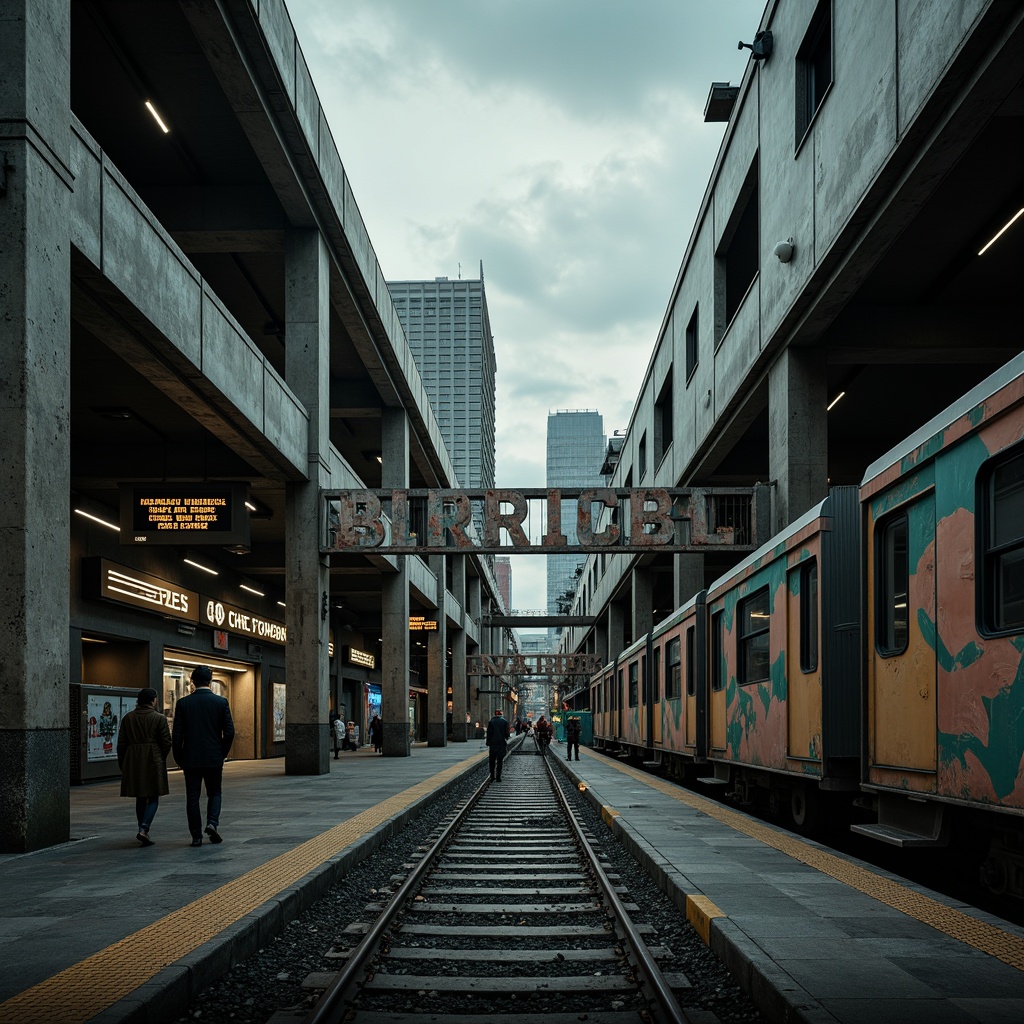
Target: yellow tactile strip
<point>988,938</point>
<point>86,989</point>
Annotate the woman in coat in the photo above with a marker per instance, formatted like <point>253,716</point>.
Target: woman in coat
<point>143,743</point>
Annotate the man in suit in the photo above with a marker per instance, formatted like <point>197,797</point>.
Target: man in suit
<point>498,731</point>
<point>201,738</point>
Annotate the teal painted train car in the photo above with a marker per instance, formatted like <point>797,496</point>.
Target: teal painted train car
<point>870,655</point>
<point>943,522</point>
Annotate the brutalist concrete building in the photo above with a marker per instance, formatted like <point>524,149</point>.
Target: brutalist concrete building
<point>196,344</point>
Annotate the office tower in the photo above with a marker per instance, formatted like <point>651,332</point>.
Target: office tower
<point>575,455</point>
<point>449,332</point>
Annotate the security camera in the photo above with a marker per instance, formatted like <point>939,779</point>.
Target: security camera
<point>784,250</point>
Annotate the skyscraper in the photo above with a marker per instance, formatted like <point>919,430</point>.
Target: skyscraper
<point>575,454</point>
<point>449,332</point>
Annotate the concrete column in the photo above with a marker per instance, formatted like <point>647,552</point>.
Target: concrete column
<point>35,385</point>
<point>687,577</point>
<point>797,432</point>
<point>460,694</point>
<point>307,581</point>
<point>616,630</point>
<point>437,664</point>
<point>643,601</point>
<point>478,706</point>
<point>394,595</point>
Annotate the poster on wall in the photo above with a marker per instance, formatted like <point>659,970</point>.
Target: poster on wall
<point>103,717</point>
<point>277,712</point>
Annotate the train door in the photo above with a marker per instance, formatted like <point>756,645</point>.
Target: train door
<point>656,706</point>
<point>901,658</point>
<point>690,705</point>
<point>803,672</point>
<point>719,672</point>
<point>620,702</point>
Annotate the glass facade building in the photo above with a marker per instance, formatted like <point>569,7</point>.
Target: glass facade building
<point>575,455</point>
<point>449,332</point>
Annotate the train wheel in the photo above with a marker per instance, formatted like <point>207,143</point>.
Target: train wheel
<point>803,809</point>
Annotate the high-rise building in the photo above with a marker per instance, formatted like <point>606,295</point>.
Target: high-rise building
<point>503,577</point>
<point>449,332</point>
<point>575,455</point>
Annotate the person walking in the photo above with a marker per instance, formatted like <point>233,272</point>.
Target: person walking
<point>201,738</point>
<point>376,728</point>
<point>543,734</point>
<point>573,728</point>
<point>498,732</point>
<point>143,743</point>
<point>337,732</point>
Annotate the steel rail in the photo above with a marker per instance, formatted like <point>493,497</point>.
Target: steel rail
<point>331,1006</point>
<point>642,958</point>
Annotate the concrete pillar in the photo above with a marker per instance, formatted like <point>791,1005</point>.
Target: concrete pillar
<point>307,582</point>
<point>616,630</point>
<point>478,706</point>
<point>394,595</point>
<point>687,577</point>
<point>460,694</point>
<point>35,385</point>
<point>643,601</point>
<point>437,664</point>
<point>797,432</point>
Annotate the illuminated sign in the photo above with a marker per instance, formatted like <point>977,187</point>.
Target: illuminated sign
<point>358,657</point>
<point>221,615</point>
<point>112,582</point>
<point>420,623</point>
<point>184,514</point>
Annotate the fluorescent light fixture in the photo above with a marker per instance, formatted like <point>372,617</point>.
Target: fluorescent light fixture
<point>1001,230</point>
<point>282,604</point>
<point>252,590</point>
<point>96,519</point>
<point>828,408</point>
<point>92,640</point>
<point>250,506</point>
<point>158,118</point>
<point>212,572</point>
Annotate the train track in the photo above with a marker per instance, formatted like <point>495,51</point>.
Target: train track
<point>508,916</point>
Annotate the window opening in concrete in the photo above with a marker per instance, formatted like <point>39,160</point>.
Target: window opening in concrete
<point>813,68</point>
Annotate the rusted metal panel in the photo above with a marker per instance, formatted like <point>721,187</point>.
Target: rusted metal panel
<point>532,664</point>
<point>529,521</point>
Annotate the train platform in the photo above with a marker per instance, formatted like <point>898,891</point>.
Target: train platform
<point>814,936</point>
<point>100,929</point>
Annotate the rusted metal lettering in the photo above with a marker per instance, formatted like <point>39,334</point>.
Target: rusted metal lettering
<point>495,520</point>
<point>660,517</point>
<point>442,524</point>
<point>585,521</point>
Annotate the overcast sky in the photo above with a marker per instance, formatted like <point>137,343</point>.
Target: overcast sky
<point>560,142</point>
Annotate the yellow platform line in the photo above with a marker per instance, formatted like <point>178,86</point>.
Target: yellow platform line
<point>80,992</point>
<point>981,935</point>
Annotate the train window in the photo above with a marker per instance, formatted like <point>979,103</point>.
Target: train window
<point>672,688</point>
<point>634,675</point>
<point>718,651</point>
<point>754,618</point>
<point>656,677</point>
<point>891,592</point>
<point>691,662</point>
<point>1002,562</point>
<point>809,616</point>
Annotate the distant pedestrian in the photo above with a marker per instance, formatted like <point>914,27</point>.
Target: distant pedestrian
<point>202,736</point>
<point>349,743</point>
<point>337,732</point>
<point>518,725</point>
<point>143,743</point>
<point>543,733</point>
<point>498,732</point>
<point>377,734</point>
<point>573,728</point>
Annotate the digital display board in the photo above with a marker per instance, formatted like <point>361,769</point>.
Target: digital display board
<point>193,514</point>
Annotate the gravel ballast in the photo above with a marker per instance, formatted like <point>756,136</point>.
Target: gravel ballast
<point>271,980</point>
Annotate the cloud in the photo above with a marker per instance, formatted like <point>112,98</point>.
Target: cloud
<point>561,143</point>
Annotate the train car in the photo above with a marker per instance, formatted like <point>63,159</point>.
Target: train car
<point>943,538</point>
<point>782,688</point>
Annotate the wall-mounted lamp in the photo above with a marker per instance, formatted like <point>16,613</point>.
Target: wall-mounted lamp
<point>784,250</point>
<point>761,47</point>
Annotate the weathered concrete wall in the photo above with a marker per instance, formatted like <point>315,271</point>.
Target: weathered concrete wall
<point>114,229</point>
